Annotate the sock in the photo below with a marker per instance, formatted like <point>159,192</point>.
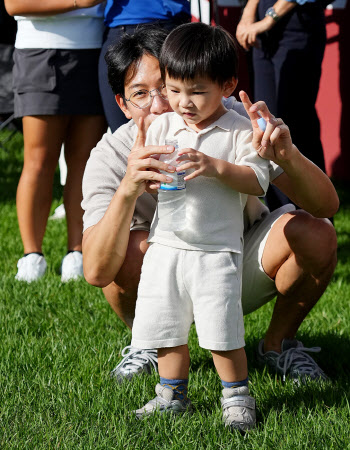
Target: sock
<point>227,384</point>
<point>71,251</point>
<point>34,253</point>
<point>179,387</point>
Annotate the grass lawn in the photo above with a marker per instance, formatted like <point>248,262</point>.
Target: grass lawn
<point>60,341</point>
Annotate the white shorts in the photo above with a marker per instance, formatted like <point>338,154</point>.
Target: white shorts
<point>178,287</point>
<point>257,287</point>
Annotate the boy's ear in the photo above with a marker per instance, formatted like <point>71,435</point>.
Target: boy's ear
<point>229,86</point>
<point>119,99</point>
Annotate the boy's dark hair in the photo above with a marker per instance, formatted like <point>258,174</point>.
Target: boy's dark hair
<point>197,49</point>
<point>127,53</point>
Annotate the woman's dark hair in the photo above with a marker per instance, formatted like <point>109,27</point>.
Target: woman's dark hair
<point>127,53</point>
<point>199,50</point>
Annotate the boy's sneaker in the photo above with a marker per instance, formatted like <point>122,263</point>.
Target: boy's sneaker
<point>164,403</point>
<point>293,361</point>
<point>72,266</point>
<point>135,361</point>
<point>238,408</point>
<point>31,267</point>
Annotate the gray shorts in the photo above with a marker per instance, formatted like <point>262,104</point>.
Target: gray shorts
<point>257,287</point>
<point>55,82</point>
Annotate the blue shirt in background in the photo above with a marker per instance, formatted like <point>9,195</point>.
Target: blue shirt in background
<point>132,12</point>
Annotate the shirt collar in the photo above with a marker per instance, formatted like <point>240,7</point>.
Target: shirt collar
<point>224,122</point>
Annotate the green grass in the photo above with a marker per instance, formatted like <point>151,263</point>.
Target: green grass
<point>59,342</point>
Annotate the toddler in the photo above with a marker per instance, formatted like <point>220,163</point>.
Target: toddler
<point>195,274</point>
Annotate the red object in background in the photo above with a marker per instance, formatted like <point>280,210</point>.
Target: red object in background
<point>334,95</point>
<point>334,91</point>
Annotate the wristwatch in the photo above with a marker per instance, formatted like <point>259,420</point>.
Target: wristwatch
<point>272,13</point>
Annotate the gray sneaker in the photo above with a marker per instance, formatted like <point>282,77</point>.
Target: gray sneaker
<point>238,408</point>
<point>164,403</point>
<point>293,361</point>
<point>135,361</point>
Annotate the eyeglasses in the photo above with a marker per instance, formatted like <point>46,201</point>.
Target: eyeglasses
<point>143,98</point>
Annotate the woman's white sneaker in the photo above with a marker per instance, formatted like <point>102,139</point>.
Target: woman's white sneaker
<point>72,266</point>
<point>31,267</point>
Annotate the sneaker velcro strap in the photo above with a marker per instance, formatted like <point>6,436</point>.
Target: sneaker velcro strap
<point>160,402</point>
<point>239,400</point>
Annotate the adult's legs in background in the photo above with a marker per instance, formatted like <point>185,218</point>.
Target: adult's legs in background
<point>296,100</point>
<point>265,89</point>
<point>288,71</point>
<point>83,133</point>
<point>43,137</point>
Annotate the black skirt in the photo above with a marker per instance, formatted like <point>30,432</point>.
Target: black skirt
<point>56,82</point>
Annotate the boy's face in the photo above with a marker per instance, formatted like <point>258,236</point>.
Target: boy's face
<point>198,101</point>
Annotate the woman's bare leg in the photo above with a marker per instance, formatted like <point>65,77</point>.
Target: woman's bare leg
<point>43,137</point>
<point>84,132</point>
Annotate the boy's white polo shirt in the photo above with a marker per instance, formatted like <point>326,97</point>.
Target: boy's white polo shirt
<point>214,212</point>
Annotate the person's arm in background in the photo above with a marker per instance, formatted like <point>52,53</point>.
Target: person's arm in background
<point>46,7</point>
<point>302,181</point>
<point>248,28</point>
<point>248,18</point>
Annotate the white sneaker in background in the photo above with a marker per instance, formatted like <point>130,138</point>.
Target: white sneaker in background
<point>59,213</point>
<point>72,266</point>
<point>31,267</point>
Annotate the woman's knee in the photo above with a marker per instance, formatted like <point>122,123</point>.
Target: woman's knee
<point>39,163</point>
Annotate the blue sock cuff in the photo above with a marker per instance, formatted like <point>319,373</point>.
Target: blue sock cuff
<point>172,382</point>
<point>179,388</point>
<point>227,384</point>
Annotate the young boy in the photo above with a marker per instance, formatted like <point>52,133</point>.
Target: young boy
<point>195,273</point>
